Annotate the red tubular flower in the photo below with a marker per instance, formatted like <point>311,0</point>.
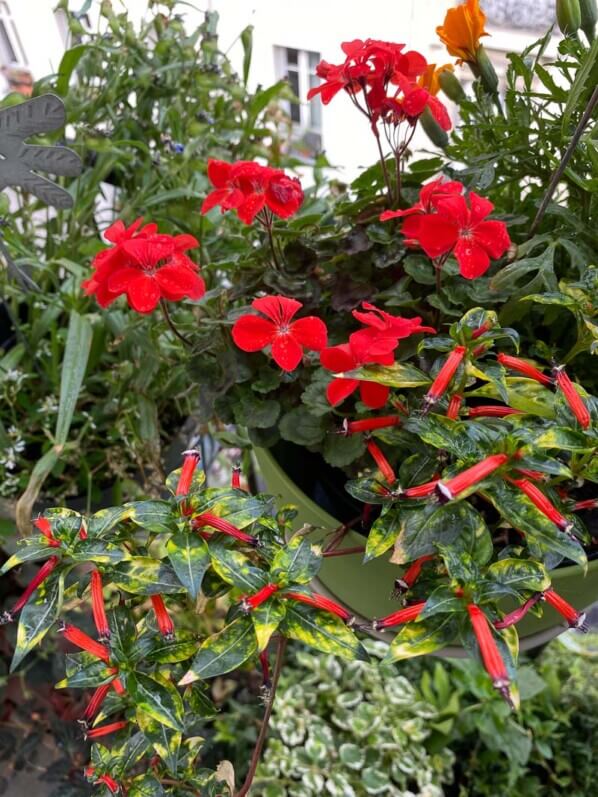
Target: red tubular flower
<point>422,490</point>
<point>523,367</point>
<point>406,615</point>
<point>83,535</point>
<point>118,687</point>
<point>222,525</point>
<point>36,581</point>
<point>589,503</point>
<point>163,619</point>
<point>462,230</point>
<point>318,602</point>
<point>369,424</point>
<point>383,464</point>
<point>574,618</point>
<point>260,597</point>
<point>105,780</point>
<point>248,187</point>
<point>190,461</point>
<point>493,661</point>
<point>467,478</point>
<point>492,411</point>
<point>85,642</point>
<point>382,331</point>
<point>411,575</point>
<point>98,608</point>
<point>574,400</point>
<point>96,701</point>
<point>518,614</point>
<point>454,407</point>
<point>145,266</point>
<point>485,327</point>
<point>345,357</point>
<point>444,376</point>
<point>286,337</point>
<point>43,525</point>
<point>235,479</point>
<point>105,730</point>
<point>541,502</point>
<point>534,475</point>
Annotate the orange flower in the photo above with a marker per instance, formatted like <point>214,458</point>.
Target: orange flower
<point>462,30</point>
<point>430,80</point>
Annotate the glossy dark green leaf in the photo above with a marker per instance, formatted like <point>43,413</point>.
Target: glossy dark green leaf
<point>523,394</point>
<point>146,786</point>
<point>170,652</point>
<point>154,516</point>
<point>190,558</point>
<point>235,568</point>
<point>28,551</point>
<point>397,375</point>
<point>224,651</point>
<point>323,631</point>
<point>297,562</point>
<point>510,576</point>
<point>106,519</point>
<point>84,671</point>
<point>165,740</point>
<point>98,552</point>
<point>383,533</point>
<point>370,491</point>
<point>564,439</point>
<point>146,576</point>
<point>158,699</point>
<point>266,619</point>
<point>463,439</point>
<point>37,617</point>
<point>442,600</point>
<point>422,637</point>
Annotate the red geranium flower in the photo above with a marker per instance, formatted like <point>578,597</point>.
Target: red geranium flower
<point>408,103</point>
<point>146,266</point>
<point>429,195</point>
<point>462,230</point>
<point>287,338</point>
<point>248,187</point>
<point>347,357</point>
<point>383,331</point>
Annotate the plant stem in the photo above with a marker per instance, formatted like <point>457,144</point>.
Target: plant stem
<point>268,225</point>
<point>259,745</point>
<point>345,551</point>
<point>554,181</point>
<point>171,324</point>
<point>384,168</point>
<point>398,154</point>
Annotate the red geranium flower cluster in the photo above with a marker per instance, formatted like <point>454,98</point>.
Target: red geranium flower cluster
<point>388,78</point>
<point>248,187</point>
<point>445,222</point>
<point>145,265</point>
<point>287,338</point>
<point>375,344</point>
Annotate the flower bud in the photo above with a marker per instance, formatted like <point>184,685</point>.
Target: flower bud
<point>589,17</point>
<point>451,86</point>
<point>485,71</point>
<point>568,14</point>
<point>432,129</point>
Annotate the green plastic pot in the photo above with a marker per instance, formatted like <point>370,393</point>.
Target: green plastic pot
<point>364,589</point>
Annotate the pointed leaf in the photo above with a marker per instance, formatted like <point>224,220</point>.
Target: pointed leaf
<point>422,637</point>
<point>190,558</point>
<point>37,617</point>
<point>224,651</point>
<point>297,562</point>
<point>146,576</point>
<point>165,740</point>
<point>266,619</point>
<point>158,699</point>
<point>323,631</point>
<point>235,568</point>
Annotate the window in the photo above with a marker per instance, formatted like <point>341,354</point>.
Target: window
<point>11,49</point>
<point>533,15</point>
<point>299,68</point>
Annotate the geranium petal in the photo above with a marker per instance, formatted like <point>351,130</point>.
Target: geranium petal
<point>118,281</point>
<point>279,309</point>
<point>439,112</point>
<point>454,207</point>
<point>373,395</point>
<point>415,102</point>
<point>178,281</point>
<point>493,236</point>
<point>143,293</point>
<point>252,333</point>
<point>338,358</point>
<point>251,206</point>
<point>286,352</point>
<point>218,172</point>
<point>480,207</point>
<point>339,389</point>
<point>310,332</point>
<point>436,234</point>
<point>472,258</point>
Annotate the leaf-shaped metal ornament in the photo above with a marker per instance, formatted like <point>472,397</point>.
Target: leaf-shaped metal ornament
<point>20,162</point>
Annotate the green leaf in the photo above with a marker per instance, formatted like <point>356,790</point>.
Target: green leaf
<point>83,671</point>
<point>224,651</point>
<point>301,427</point>
<point>585,81</point>
<point>172,651</point>
<point>67,65</point>
<point>28,551</point>
<point>442,600</point>
<point>235,568</point>
<point>422,528</point>
<point>99,552</point>
<point>158,699</point>
<point>340,451</point>
<point>369,491</point>
<point>461,438</point>
<point>296,562</point>
<point>266,619</point>
<point>106,519</point>
<point>129,754</point>
<point>422,637</point>
<point>510,576</point>
<point>247,42</point>
<point>523,394</point>
<point>383,533</point>
<point>396,375</point>
<point>323,631</point>
<point>143,575</point>
<point>145,786</point>
<point>190,558</point>
<point>564,440</point>
<point>155,516</point>
<point>239,508</point>
<point>74,364</point>
<point>37,617</point>
<point>165,740</point>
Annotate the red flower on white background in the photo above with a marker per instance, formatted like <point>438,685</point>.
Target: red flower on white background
<point>146,266</point>
<point>287,338</point>
<point>248,187</point>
